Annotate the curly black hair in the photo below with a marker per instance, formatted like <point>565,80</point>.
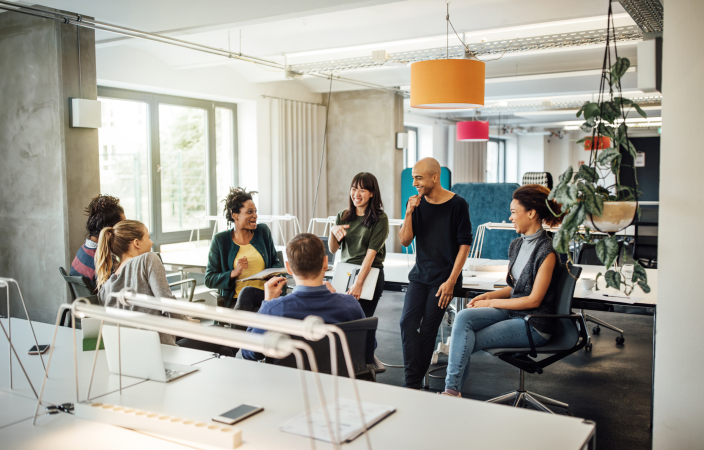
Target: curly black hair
<point>103,211</point>
<point>235,200</point>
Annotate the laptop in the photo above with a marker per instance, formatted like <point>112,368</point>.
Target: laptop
<point>141,355</point>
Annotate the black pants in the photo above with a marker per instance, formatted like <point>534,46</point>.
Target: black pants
<point>249,299</point>
<point>369,306</point>
<point>420,309</point>
<point>206,347</point>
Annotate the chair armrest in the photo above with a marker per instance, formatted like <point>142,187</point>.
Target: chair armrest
<point>577,318</point>
<point>188,280</point>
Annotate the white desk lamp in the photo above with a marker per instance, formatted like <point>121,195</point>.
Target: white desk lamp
<point>271,344</point>
<point>312,328</point>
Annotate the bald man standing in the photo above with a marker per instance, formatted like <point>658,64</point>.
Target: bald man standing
<point>439,221</point>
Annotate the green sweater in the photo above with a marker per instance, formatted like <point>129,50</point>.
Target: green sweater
<point>222,255</point>
<point>360,238</point>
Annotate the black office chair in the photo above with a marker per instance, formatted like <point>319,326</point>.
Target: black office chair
<point>79,286</point>
<point>570,335</point>
<point>360,338</point>
<point>587,255</point>
<point>645,245</point>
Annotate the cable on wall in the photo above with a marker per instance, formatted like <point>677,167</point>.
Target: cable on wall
<point>325,139</point>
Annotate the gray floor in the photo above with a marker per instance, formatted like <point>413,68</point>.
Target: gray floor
<point>610,386</point>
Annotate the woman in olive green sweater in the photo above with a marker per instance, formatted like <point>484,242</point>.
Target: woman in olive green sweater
<point>239,253</point>
<point>361,232</point>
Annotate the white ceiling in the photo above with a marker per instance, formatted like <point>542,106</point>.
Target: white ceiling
<point>305,31</point>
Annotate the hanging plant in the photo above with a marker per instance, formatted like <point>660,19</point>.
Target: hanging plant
<point>589,204</point>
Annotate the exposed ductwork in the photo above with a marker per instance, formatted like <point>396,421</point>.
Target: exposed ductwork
<point>648,14</point>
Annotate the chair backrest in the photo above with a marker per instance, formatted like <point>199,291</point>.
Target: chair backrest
<point>360,338</point>
<point>565,331</point>
<point>542,178</point>
<point>587,255</point>
<point>79,286</point>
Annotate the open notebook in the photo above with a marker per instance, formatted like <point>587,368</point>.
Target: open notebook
<point>266,274</point>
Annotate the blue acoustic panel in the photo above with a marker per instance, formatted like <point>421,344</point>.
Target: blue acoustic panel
<point>490,202</point>
<point>407,190</point>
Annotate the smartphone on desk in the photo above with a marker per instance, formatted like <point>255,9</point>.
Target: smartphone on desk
<point>240,413</point>
<point>41,351</point>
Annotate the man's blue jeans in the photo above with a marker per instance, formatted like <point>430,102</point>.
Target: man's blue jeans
<point>476,329</point>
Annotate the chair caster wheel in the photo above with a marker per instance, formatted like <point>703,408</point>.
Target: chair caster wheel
<point>588,347</point>
<point>596,330</point>
<point>620,340</point>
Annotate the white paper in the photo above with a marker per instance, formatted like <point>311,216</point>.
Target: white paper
<point>350,423</point>
<point>615,298</point>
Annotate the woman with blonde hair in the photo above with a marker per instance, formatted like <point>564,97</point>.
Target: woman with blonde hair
<point>139,270</point>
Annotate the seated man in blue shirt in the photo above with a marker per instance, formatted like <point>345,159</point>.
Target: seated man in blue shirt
<point>307,263</point>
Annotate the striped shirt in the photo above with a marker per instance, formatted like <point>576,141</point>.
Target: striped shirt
<point>84,262</point>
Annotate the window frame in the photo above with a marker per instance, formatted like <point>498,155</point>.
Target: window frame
<point>406,129</point>
<point>500,157</point>
<point>153,101</point>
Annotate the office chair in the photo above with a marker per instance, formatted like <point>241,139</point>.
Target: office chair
<point>79,286</point>
<point>570,335</point>
<point>542,178</point>
<point>645,246</point>
<point>360,338</point>
<point>587,255</point>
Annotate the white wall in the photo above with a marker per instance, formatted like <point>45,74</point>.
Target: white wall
<point>432,136</point>
<point>679,366</point>
<point>132,68</point>
<point>531,154</point>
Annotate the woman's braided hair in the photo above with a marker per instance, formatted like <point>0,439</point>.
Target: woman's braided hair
<point>235,200</point>
<point>103,211</point>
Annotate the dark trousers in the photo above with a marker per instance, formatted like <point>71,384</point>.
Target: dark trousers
<point>369,306</point>
<point>206,347</point>
<point>420,310</point>
<point>249,299</point>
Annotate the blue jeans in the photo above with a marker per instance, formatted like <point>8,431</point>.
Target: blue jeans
<point>476,329</point>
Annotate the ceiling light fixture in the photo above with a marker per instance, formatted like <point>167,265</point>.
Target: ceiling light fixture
<point>473,131</point>
<point>448,83</point>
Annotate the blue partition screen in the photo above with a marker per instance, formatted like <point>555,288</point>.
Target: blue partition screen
<point>407,190</point>
<point>490,202</point>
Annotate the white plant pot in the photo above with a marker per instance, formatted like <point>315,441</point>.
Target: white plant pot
<point>616,217</point>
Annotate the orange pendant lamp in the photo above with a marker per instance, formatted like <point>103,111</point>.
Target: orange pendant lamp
<point>448,83</point>
<point>600,143</point>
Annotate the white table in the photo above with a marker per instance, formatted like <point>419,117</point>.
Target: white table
<point>422,420</point>
<point>61,385</point>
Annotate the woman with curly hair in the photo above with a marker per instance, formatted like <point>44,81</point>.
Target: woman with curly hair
<point>246,249</point>
<point>495,319</point>
<point>102,211</point>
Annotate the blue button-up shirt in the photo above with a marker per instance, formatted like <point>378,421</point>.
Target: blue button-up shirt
<point>307,301</point>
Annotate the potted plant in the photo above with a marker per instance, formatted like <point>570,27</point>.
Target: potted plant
<point>589,204</point>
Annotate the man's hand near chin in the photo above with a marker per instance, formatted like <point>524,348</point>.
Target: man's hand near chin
<point>273,288</point>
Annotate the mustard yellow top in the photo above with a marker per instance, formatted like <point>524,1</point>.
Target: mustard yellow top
<point>256,265</point>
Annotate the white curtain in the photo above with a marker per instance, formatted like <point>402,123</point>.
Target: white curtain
<point>469,162</point>
<point>297,131</point>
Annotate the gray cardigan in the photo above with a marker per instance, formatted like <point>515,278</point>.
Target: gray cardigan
<point>524,285</point>
<point>144,274</point>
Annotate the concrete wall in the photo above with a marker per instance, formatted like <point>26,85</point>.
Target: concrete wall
<point>45,163</point>
<point>677,419</point>
<point>362,130</point>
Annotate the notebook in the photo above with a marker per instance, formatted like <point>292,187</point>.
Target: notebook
<point>346,274</point>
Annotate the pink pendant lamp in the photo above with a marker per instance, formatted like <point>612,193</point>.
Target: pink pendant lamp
<point>473,131</point>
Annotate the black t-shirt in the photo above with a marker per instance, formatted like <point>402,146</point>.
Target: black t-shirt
<point>439,231</point>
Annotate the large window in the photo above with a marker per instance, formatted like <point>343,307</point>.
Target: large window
<point>170,160</point>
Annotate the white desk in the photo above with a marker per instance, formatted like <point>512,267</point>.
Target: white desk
<point>61,386</point>
<point>222,384</point>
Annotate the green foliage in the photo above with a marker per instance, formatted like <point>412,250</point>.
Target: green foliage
<point>613,279</point>
<point>607,250</point>
<point>618,70</point>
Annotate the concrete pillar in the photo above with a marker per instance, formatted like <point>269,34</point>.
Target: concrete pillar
<point>362,131</point>
<point>678,406</point>
<point>49,171</point>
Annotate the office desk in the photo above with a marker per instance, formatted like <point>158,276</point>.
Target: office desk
<point>61,386</point>
<point>221,384</point>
